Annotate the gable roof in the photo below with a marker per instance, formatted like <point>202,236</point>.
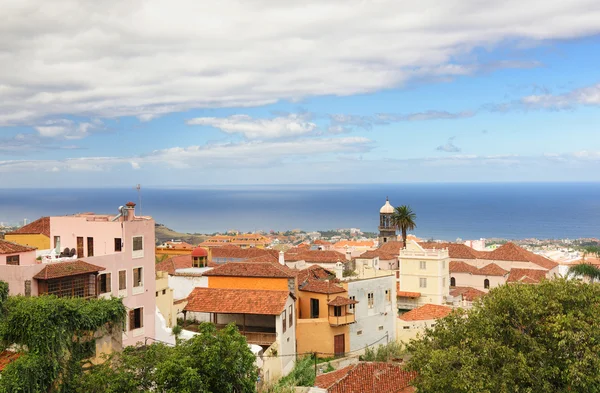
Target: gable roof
<point>342,301</point>
<point>314,272</point>
<point>528,276</point>
<point>318,286</point>
<point>455,250</point>
<point>236,252</point>
<point>251,269</point>
<point>512,252</point>
<point>7,247</point>
<point>492,269</point>
<point>384,256</point>
<point>171,264</point>
<point>468,293</point>
<point>237,301</point>
<point>367,377</point>
<point>426,312</point>
<point>315,256</point>
<point>461,267</point>
<point>41,226</point>
<point>392,247</point>
<point>67,269</point>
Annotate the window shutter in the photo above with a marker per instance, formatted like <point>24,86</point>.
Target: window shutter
<point>131,319</point>
<point>141,314</point>
<point>136,277</point>
<point>108,282</point>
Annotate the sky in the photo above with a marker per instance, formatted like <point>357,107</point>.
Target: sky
<point>165,94</point>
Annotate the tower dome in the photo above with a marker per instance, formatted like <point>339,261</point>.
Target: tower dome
<point>199,252</point>
<point>387,208</point>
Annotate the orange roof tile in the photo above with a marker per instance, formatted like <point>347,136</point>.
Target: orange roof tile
<point>468,293</point>
<point>7,247</point>
<point>251,269</point>
<point>426,312</point>
<point>352,243</point>
<point>235,252</point>
<point>341,301</point>
<point>315,256</point>
<point>321,242</point>
<point>237,301</point>
<point>169,265</point>
<point>314,272</point>
<point>455,250</point>
<point>392,248</point>
<point>321,287</point>
<point>41,226</point>
<point>367,377</point>
<point>528,276</point>
<point>492,270</point>
<point>400,293</point>
<point>378,253</point>
<point>512,252</point>
<point>66,269</point>
<point>7,357</point>
<point>461,267</point>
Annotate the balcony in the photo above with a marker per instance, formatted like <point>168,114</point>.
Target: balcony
<point>342,320</point>
<point>260,338</point>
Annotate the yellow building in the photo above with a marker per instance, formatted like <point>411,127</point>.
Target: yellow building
<point>164,299</point>
<point>35,234</point>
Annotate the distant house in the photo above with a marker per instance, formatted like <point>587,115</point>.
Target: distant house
<point>415,321</point>
<point>366,377</point>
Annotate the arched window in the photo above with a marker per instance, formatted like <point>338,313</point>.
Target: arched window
<point>486,283</point>
<point>452,281</point>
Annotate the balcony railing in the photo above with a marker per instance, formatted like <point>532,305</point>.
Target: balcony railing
<point>260,338</point>
<point>341,320</point>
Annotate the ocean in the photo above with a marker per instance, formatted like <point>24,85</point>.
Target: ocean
<point>444,211</point>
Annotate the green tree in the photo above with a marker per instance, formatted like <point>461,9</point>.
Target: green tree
<point>518,338</point>
<point>586,270</point>
<point>212,361</point>
<point>404,219</point>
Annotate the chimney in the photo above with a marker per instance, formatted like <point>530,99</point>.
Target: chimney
<point>339,270</point>
<point>129,211</point>
<point>281,258</point>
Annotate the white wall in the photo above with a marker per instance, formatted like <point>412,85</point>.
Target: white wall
<point>287,340</point>
<point>184,285</point>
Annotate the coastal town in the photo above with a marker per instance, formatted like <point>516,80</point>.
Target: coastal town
<point>334,296</point>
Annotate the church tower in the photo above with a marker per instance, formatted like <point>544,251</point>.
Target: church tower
<point>387,230</point>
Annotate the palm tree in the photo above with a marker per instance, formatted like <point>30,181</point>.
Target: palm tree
<point>404,219</point>
<point>586,270</point>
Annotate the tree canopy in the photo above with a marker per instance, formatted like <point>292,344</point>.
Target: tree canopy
<point>405,220</point>
<point>518,338</point>
<point>213,361</point>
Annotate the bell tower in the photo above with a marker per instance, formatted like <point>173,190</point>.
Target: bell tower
<point>387,229</point>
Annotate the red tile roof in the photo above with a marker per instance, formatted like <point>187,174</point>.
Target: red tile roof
<point>341,301</point>
<point>314,272</point>
<point>426,312</point>
<point>7,357</point>
<point>241,253</point>
<point>237,301</point>
<point>528,276</point>
<point>322,242</point>
<point>66,269</point>
<point>315,256</point>
<point>384,256</point>
<point>461,267</point>
<point>37,227</point>
<point>317,286</point>
<point>392,248</point>
<point>169,265</point>
<point>400,293</point>
<point>512,252</point>
<point>367,377</point>
<point>251,269</point>
<point>455,250</point>
<point>7,247</point>
<point>468,293</point>
<point>353,243</point>
<point>492,269</point>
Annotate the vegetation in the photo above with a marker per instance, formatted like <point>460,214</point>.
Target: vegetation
<point>384,353</point>
<point>586,270</point>
<point>518,338</point>
<point>164,234</point>
<point>213,361</point>
<point>404,219</point>
<point>303,374</point>
<point>54,335</point>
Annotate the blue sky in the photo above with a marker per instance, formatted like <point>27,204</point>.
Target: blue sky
<point>327,92</point>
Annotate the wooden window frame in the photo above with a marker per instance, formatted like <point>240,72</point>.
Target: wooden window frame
<point>13,260</point>
<point>108,283</point>
<point>124,281</point>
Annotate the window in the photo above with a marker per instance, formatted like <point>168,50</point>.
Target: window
<point>291,315</point>
<point>118,244</point>
<point>422,265</point>
<point>284,321</point>
<point>12,260</point>
<point>398,274</point>
<point>486,283</point>
<point>104,281</point>
<point>388,295</point>
<point>27,288</point>
<point>136,318</point>
<point>164,291</point>
<point>422,283</point>
<point>381,327</point>
<point>370,299</point>
<point>359,332</point>
<point>122,280</point>
<point>156,294</point>
<point>138,243</point>
<point>351,306</point>
<point>314,308</point>
<point>57,243</point>
<point>138,278</point>
<point>405,327</point>
<point>337,311</point>
<point>90,246</point>
<point>452,281</point>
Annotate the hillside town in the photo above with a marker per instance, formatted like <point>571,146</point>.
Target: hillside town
<point>289,295</point>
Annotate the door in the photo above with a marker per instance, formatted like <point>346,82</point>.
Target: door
<point>339,345</point>
<point>80,247</point>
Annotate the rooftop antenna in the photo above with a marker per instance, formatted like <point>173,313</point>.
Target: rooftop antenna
<point>139,191</point>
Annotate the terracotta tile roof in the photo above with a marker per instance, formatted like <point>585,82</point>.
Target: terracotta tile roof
<point>461,267</point>
<point>468,293</point>
<point>400,293</point>
<point>392,248</point>
<point>384,256</point>
<point>314,272</point>
<point>7,247</point>
<point>492,270</point>
<point>455,250</point>
<point>315,256</point>
<point>264,258</point>
<point>66,269</point>
<point>235,252</point>
<point>528,276</point>
<point>169,265</point>
<point>512,252</point>
<point>426,312</point>
<point>237,301</point>
<point>367,377</point>
<point>319,242</point>
<point>7,357</point>
<point>351,243</point>
<point>251,269</point>
<point>39,226</point>
<point>341,301</point>
<point>317,286</point>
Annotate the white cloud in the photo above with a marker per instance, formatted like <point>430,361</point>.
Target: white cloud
<point>589,95</point>
<point>66,129</point>
<point>292,125</point>
<point>145,59</point>
<point>449,147</point>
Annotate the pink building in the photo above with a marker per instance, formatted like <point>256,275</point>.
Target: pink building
<point>113,255</point>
